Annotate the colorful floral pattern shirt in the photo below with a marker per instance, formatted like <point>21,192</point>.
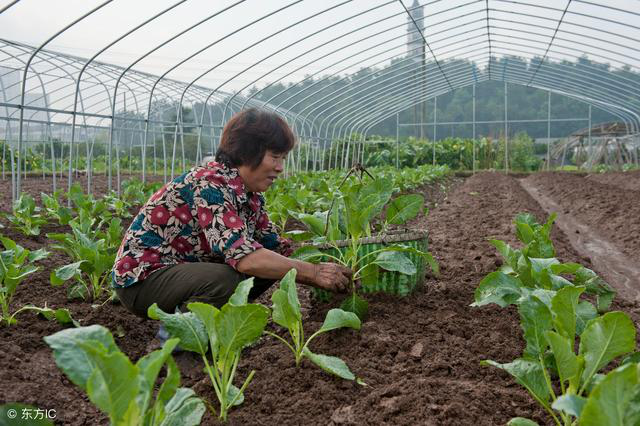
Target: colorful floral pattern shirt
<point>204,215</point>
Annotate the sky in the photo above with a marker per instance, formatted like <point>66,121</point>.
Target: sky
<point>237,45</point>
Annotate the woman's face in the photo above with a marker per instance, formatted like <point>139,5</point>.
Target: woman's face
<point>261,178</point>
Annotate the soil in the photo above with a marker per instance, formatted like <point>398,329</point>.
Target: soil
<point>419,355</point>
<point>610,209</point>
<point>625,180</point>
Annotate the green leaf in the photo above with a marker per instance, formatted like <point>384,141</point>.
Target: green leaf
<point>337,318</point>
<point>62,274</point>
<point>357,305</point>
<point>298,235</point>
<point>39,254</point>
<point>185,326</point>
<point>521,421</point>
<point>206,313</point>
<point>604,339</point>
<point>369,275</point>
<point>509,255</point>
<point>61,315</point>
<point>527,373</point>
<point>395,261</point>
<point>70,358</point>
<point>535,320</point>
<point>184,409</point>
<point>498,288</point>
<point>315,222</point>
<point>241,294</point>
<point>570,404</point>
<point>149,367</point>
<point>566,360</point>
<point>170,384</point>
<point>239,326</point>
<point>563,306</point>
<point>404,208</point>
<point>330,364</point>
<point>308,254</point>
<point>585,312</point>
<point>611,401</point>
<point>286,306</point>
<point>113,383</point>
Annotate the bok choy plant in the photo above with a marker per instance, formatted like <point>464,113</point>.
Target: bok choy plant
<point>536,267</point>
<point>286,313</point>
<point>16,263</point>
<point>123,390</point>
<point>350,218</point>
<point>93,252</point>
<point>552,316</point>
<point>225,332</point>
<point>25,216</point>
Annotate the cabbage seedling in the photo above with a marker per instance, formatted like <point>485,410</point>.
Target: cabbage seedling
<point>226,332</point>
<point>123,390</point>
<point>286,312</point>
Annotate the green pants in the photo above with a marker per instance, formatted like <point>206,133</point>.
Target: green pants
<point>176,286</point>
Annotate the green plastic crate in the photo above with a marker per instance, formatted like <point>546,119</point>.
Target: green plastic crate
<point>388,281</point>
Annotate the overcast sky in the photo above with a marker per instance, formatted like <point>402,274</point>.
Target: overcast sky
<point>33,21</point>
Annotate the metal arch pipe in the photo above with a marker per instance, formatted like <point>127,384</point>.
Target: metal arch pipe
<point>233,96</point>
<point>188,58</point>
<point>357,63</point>
<point>425,42</point>
<point>517,83</point>
<point>16,188</point>
<point>351,44</point>
<point>108,46</point>
<point>317,47</point>
<point>164,43</point>
<point>489,65</point>
<point>4,9</point>
<point>611,109</point>
<point>329,95</point>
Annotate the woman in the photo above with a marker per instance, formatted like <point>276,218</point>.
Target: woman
<point>207,230</point>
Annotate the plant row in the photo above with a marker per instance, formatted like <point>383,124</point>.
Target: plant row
<point>571,338</point>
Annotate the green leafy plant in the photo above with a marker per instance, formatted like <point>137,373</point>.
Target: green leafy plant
<point>123,390</point>
<point>552,317</point>
<point>286,313</point>
<point>93,252</point>
<point>535,267</point>
<point>225,332</point>
<point>16,263</point>
<point>25,216</point>
<point>351,219</point>
<point>551,321</point>
<point>54,209</point>
<point>61,315</point>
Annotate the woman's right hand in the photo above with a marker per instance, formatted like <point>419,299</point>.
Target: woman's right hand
<point>332,277</point>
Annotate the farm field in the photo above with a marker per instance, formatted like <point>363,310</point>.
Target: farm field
<point>419,355</point>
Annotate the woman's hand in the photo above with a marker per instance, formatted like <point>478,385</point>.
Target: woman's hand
<point>332,277</point>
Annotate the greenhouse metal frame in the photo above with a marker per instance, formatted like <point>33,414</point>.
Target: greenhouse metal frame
<point>455,44</point>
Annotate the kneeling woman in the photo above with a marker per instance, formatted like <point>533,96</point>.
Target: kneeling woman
<point>207,230</point>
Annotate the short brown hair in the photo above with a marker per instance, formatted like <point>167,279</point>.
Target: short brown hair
<point>250,134</point>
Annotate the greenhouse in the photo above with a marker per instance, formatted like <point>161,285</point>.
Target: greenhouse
<point>304,212</point>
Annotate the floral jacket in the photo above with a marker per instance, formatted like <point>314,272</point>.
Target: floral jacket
<point>204,215</point>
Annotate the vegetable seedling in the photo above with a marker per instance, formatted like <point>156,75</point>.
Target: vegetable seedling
<point>286,313</point>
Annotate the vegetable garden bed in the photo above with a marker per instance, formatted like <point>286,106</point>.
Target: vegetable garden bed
<point>419,355</point>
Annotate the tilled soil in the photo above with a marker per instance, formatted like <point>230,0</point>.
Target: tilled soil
<point>419,355</point>
<point>608,208</point>
<point>625,180</point>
